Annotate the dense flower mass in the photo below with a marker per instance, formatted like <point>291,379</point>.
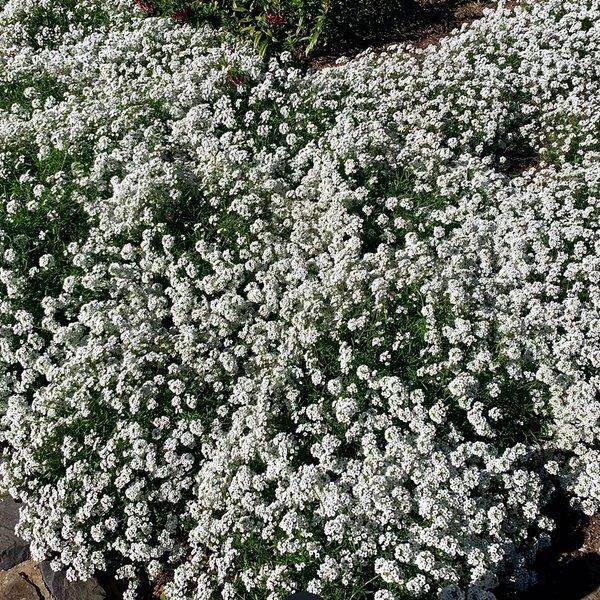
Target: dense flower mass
<point>265,330</point>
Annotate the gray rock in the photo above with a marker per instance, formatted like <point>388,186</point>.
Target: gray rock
<point>62,589</point>
<point>13,550</point>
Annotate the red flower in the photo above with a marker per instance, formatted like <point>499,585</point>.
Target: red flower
<point>145,5</point>
<point>275,20</point>
<point>235,80</point>
<point>183,16</point>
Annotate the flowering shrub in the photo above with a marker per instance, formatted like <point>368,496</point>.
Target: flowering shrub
<point>267,330</point>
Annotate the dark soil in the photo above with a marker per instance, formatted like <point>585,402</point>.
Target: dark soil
<point>417,22</point>
<point>570,569</point>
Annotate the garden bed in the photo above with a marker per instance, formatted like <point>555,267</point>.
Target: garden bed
<point>266,327</point>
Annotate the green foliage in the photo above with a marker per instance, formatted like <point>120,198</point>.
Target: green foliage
<point>299,26</point>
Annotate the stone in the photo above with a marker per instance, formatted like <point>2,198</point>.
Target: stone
<point>13,550</point>
<point>23,582</point>
<point>62,589</point>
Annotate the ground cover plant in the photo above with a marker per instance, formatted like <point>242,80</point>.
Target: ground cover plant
<point>264,329</point>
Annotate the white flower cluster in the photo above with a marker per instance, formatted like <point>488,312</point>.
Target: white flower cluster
<point>267,330</point>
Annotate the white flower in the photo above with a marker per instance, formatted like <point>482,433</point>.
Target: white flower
<point>341,305</point>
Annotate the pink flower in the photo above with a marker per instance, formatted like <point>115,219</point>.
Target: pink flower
<point>145,5</point>
<point>275,20</point>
